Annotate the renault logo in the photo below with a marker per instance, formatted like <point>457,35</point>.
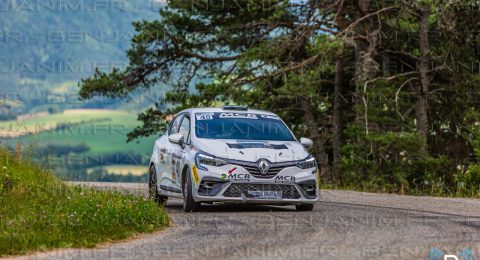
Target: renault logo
<point>263,166</point>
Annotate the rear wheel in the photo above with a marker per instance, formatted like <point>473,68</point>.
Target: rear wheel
<point>152,188</point>
<point>305,207</point>
<point>189,204</point>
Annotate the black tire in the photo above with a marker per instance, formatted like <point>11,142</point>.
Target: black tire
<point>305,207</point>
<point>152,188</point>
<point>189,204</point>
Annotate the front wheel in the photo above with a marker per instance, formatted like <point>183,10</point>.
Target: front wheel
<point>189,204</point>
<point>305,207</point>
<point>152,188</point>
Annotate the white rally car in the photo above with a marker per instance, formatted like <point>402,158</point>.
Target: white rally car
<point>232,154</point>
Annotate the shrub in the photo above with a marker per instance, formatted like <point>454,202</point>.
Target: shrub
<point>469,180</point>
<point>395,162</point>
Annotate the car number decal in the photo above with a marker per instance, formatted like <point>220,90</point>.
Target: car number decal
<point>204,116</point>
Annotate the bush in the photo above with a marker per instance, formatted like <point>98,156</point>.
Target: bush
<point>395,162</point>
<point>469,181</point>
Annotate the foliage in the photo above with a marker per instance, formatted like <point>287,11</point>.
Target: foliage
<point>375,84</point>
<point>469,181</point>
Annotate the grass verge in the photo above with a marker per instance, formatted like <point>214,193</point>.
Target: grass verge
<point>410,192</point>
<point>39,212</point>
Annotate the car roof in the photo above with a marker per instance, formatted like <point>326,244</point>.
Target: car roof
<point>219,109</point>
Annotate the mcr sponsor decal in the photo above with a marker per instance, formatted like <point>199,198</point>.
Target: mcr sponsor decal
<point>285,178</point>
<point>235,176</point>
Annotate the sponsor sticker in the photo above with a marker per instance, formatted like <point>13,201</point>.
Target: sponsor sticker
<point>270,117</point>
<point>238,115</point>
<point>195,174</point>
<point>285,179</point>
<point>236,177</point>
<point>233,115</point>
<point>229,172</point>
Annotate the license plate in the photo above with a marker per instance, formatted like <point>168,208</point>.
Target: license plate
<point>264,195</point>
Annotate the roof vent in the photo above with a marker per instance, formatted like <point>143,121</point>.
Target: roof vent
<point>242,108</point>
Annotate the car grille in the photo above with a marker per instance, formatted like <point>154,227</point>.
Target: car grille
<point>252,168</point>
<point>237,189</point>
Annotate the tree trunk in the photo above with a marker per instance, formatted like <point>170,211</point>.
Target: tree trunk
<point>337,117</point>
<point>361,46</point>
<point>317,138</point>
<point>337,127</point>
<point>422,103</point>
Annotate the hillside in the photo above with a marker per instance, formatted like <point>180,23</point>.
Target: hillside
<point>48,46</point>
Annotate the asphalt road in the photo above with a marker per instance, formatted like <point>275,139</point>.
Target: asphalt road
<point>343,225</point>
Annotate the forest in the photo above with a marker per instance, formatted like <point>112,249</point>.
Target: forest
<point>387,90</point>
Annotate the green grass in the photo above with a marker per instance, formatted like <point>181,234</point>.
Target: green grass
<point>39,212</point>
<point>104,131</point>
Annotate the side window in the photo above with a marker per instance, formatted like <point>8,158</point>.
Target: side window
<point>185,129</point>
<point>175,124</point>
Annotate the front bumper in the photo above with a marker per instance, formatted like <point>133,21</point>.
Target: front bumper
<point>233,183</point>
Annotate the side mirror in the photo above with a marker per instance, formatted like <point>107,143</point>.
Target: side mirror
<point>306,142</point>
<point>176,139</point>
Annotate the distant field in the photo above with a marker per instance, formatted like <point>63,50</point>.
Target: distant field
<point>38,124</point>
<point>104,131</point>
<point>123,169</point>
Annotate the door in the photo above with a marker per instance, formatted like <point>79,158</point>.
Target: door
<point>179,151</point>
<point>169,175</point>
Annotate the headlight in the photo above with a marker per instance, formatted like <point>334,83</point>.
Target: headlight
<point>202,159</point>
<point>307,163</point>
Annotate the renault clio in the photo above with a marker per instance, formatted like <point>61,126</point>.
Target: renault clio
<point>232,154</point>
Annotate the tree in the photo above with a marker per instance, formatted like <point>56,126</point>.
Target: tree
<point>366,80</point>
<point>250,50</point>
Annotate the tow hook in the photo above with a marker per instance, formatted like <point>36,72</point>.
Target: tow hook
<point>244,198</point>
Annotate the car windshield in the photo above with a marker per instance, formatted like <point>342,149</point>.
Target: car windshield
<point>242,126</point>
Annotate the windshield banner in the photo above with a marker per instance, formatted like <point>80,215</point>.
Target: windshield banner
<point>230,115</point>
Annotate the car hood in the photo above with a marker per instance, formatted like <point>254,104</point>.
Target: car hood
<point>252,151</point>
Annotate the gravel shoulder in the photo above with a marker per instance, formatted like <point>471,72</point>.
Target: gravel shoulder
<point>343,225</point>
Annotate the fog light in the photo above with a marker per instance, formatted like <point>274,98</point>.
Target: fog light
<point>210,186</point>
<point>308,189</point>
